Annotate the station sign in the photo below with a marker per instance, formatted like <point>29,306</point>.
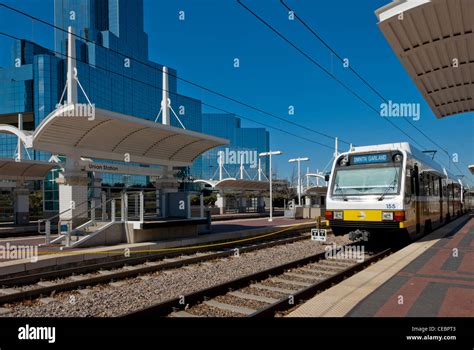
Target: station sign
<point>110,168</point>
<point>370,158</point>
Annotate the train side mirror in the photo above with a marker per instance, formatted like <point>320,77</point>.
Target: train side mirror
<point>326,178</point>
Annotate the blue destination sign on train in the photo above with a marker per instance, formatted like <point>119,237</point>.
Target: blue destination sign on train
<point>370,158</point>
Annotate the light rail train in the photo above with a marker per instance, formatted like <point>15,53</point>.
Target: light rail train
<point>394,190</point>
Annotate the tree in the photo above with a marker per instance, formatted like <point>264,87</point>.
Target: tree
<point>282,192</point>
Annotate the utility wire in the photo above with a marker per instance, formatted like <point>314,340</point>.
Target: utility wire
<point>202,87</point>
<point>317,64</point>
<point>176,94</point>
<point>370,86</point>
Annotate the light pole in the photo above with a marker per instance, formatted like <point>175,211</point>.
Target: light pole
<point>269,155</point>
<point>299,160</point>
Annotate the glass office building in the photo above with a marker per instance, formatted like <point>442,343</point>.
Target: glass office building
<point>245,145</point>
<point>116,74</point>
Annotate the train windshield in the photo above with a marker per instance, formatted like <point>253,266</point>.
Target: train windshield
<point>381,180</point>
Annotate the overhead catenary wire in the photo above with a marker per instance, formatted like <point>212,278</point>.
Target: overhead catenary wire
<point>200,86</point>
<point>330,74</point>
<point>176,94</point>
<point>357,74</point>
<point>364,81</point>
<point>317,64</point>
<point>34,18</point>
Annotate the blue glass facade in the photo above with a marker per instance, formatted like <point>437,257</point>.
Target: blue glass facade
<point>245,145</point>
<point>114,81</point>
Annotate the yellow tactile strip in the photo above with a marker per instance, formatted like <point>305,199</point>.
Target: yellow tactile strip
<point>339,300</point>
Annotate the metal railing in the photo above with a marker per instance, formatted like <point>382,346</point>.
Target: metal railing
<point>88,217</point>
<point>130,206</point>
<point>141,206</point>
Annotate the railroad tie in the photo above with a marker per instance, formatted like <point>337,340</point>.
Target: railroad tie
<point>273,289</point>
<point>330,264</point>
<point>302,275</point>
<point>315,270</point>
<point>294,283</point>
<point>229,307</point>
<point>118,284</point>
<point>46,300</point>
<point>8,291</point>
<point>4,311</point>
<point>84,291</point>
<point>78,278</point>
<point>183,314</point>
<point>145,278</point>
<point>131,268</point>
<point>253,297</point>
<point>46,284</point>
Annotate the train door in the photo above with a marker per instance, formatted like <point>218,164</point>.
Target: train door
<point>440,186</point>
<point>416,178</point>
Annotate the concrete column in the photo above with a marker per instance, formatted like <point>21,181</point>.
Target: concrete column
<point>21,205</point>
<point>307,201</point>
<point>260,204</point>
<point>165,185</point>
<point>201,205</point>
<point>165,98</point>
<point>71,67</point>
<point>221,202</point>
<point>242,204</point>
<point>73,193</point>
<point>188,206</point>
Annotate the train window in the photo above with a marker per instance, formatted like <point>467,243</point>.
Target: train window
<point>457,192</point>
<point>425,185</point>
<point>435,186</point>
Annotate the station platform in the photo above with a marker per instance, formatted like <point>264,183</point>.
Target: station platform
<point>433,277</point>
<point>9,229</point>
<point>230,230</point>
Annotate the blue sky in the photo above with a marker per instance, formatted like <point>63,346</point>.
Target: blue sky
<point>273,76</point>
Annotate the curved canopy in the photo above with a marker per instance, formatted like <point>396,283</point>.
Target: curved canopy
<point>316,190</point>
<point>434,40</point>
<point>236,184</point>
<point>113,136</point>
<point>23,135</point>
<point>24,170</point>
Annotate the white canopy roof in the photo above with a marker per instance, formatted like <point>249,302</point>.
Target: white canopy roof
<point>10,169</point>
<point>236,184</point>
<point>110,135</point>
<point>431,38</point>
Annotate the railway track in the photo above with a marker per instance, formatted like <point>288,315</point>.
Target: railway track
<point>22,288</point>
<point>266,292</point>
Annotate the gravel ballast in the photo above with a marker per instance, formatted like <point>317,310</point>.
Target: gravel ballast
<point>138,293</point>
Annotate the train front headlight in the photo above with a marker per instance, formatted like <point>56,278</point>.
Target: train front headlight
<point>387,215</point>
<point>338,215</point>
